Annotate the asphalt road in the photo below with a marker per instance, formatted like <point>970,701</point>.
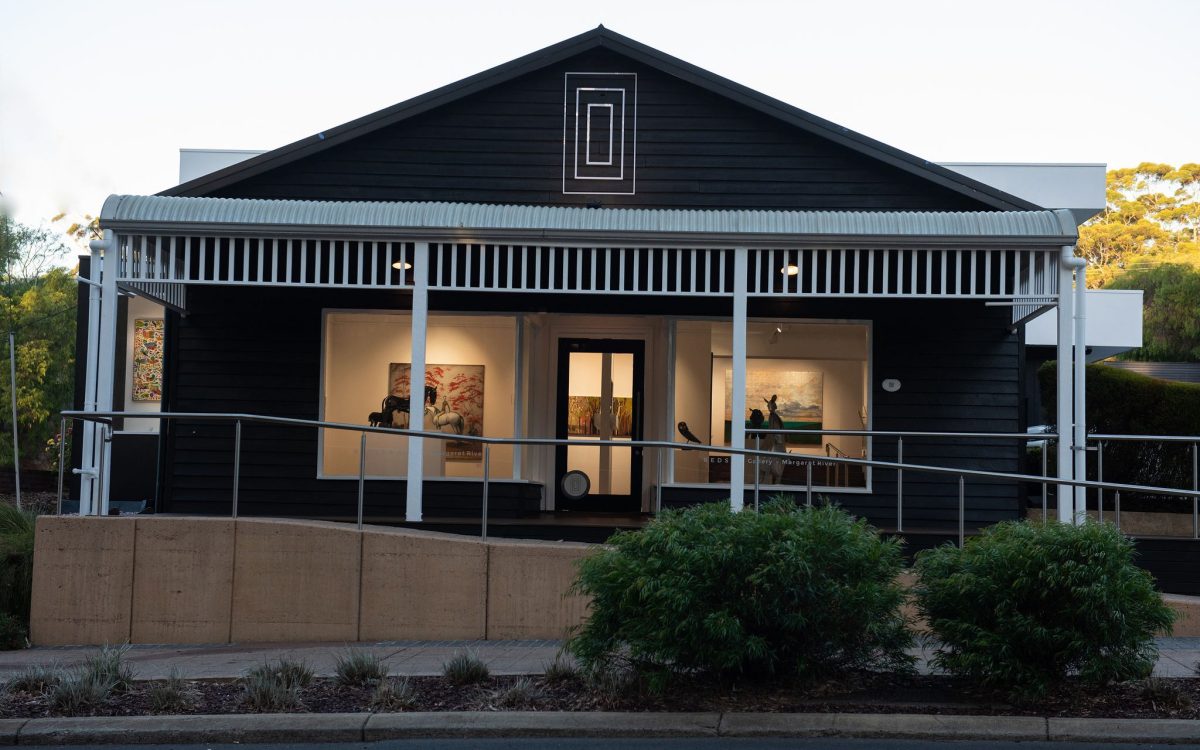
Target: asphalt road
<point>713,743</point>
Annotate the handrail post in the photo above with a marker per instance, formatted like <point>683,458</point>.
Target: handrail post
<point>900,484</point>
<point>1117,510</point>
<point>1100,478</point>
<point>1195,488</point>
<point>487,457</point>
<point>658,456</point>
<point>362,474</point>
<point>808,490</point>
<point>962,510</point>
<point>1045,489</point>
<point>62,449</point>
<point>757,467</point>
<point>237,462</point>
<point>101,474</point>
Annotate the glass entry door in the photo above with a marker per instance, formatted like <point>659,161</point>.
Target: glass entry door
<point>600,397</point>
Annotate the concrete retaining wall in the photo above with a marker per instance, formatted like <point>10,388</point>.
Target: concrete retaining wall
<point>157,579</point>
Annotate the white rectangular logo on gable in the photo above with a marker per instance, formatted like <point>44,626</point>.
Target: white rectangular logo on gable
<point>599,133</point>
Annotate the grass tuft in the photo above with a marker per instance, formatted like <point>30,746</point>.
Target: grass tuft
<point>79,691</point>
<point>1163,693</point>
<point>106,667</point>
<point>275,686</point>
<point>522,693</point>
<point>170,696</point>
<point>393,695</point>
<point>359,667</point>
<point>465,668</point>
<point>35,679</point>
<point>561,670</point>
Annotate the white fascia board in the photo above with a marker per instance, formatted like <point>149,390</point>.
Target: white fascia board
<point>1114,323</point>
<point>1076,187</point>
<point>197,162</point>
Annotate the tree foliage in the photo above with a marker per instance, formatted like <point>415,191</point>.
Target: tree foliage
<point>1151,216</point>
<point>37,303</point>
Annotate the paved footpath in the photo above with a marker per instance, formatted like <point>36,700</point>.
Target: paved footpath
<point>1178,657</point>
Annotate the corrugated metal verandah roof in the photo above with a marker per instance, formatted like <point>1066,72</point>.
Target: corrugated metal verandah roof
<point>164,214</point>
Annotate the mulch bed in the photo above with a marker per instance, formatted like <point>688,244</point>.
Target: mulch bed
<point>867,693</point>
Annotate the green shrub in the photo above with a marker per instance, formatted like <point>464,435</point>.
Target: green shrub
<point>13,634</point>
<point>1024,605</point>
<point>465,668</point>
<point>1128,403</point>
<point>16,563</point>
<point>795,591</point>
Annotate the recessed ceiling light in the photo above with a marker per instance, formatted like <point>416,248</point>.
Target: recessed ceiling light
<point>402,266</point>
<point>790,270</point>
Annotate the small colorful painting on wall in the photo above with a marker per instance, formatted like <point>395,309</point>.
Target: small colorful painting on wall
<point>797,396</point>
<point>458,407</point>
<point>584,416</point>
<point>147,359</point>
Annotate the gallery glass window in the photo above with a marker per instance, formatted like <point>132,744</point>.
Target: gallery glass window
<point>469,391</point>
<point>800,375</point>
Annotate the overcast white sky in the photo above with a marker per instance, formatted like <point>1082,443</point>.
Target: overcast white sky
<point>98,97</point>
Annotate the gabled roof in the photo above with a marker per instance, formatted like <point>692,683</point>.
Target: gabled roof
<point>601,37</point>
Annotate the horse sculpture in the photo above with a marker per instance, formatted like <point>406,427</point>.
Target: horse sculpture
<point>394,411</point>
<point>444,417</point>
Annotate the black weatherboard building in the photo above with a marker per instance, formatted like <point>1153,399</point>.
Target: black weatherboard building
<point>594,240</point>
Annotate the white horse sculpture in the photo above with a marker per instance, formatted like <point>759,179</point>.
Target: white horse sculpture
<point>444,417</point>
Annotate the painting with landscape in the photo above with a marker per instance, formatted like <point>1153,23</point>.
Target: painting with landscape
<point>457,408</point>
<point>798,397</point>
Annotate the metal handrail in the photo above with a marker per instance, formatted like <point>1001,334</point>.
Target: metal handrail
<point>107,418</point>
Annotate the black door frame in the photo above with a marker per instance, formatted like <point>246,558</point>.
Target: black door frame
<point>593,502</point>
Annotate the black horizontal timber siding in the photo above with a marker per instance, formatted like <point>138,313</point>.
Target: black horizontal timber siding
<point>694,149</point>
<point>259,351</point>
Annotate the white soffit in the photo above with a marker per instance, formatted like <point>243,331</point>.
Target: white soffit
<point>1078,188</point>
<point>197,162</point>
<point>468,221</point>
<point>1114,323</point>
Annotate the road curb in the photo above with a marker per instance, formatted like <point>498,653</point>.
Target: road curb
<point>898,726</point>
<point>359,727</point>
<point>540,724</point>
<point>146,730</point>
<point>1124,730</point>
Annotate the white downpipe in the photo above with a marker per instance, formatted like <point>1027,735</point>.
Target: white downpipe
<point>1072,420</point>
<point>1079,448</point>
<point>107,361</point>
<point>90,430</point>
<point>416,383</point>
<point>1063,418</point>
<point>737,409</point>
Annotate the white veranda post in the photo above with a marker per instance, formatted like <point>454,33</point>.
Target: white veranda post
<point>90,431</point>
<point>416,381</point>
<point>737,407</point>
<point>106,361</point>
<point>1064,417</point>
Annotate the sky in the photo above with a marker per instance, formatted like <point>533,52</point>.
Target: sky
<point>98,98</point>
